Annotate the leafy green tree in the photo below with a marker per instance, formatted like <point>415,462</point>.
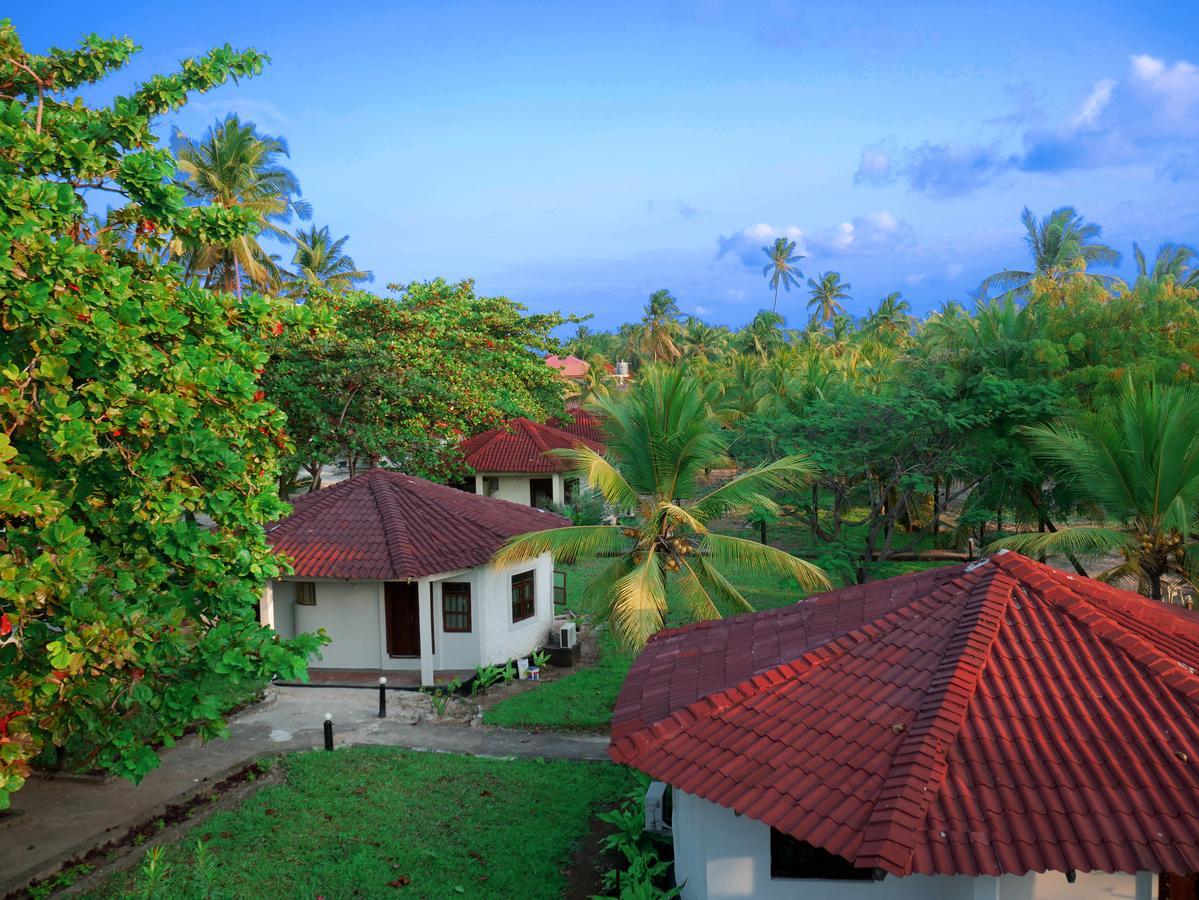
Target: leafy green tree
<point>763,335</point>
<point>828,296</point>
<point>234,166</point>
<point>663,435</point>
<point>1135,461</point>
<point>702,341</point>
<point>402,381</point>
<point>130,413</point>
<point>783,268</point>
<point>321,262</point>
<point>1062,244</point>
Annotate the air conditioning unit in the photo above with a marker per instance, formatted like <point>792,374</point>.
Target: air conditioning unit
<point>568,635</point>
<point>658,813</point>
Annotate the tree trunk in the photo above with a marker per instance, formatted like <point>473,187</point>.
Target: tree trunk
<point>762,530</point>
<point>1155,585</point>
<point>936,505</point>
<point>815,508</point>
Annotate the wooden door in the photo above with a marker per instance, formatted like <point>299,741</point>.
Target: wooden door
<point>402,611</point>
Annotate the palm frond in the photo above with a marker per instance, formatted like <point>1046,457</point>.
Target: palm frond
<point>692,593</point>
<point>600,474</point>
<point>753,487</point>
<point>738,553</point>
<point>1080,540</point>
<point>566,544</point>
<point>638,604</point>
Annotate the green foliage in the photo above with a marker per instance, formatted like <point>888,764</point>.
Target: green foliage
<point>1136,462</point>
<point>440,695</point>
<point>645,875</point>
<point>380,822</point>
<point>403,380</point>
<point>663,435</point>
<point>129,409</point>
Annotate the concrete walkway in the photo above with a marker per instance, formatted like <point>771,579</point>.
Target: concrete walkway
<point>61,818</point>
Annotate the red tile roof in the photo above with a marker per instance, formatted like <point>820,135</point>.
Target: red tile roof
<point>999,718</point>
<point>384,525</point>
<point>581,423</point>
<point>570,366</point>
<point>520,446</point>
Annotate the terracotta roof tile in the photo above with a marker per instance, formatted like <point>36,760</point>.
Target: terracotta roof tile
<point>582,424</point>
<point>520,446</point>
<point>979,720</point>
<point>569,366</point>
<point>384,525</point>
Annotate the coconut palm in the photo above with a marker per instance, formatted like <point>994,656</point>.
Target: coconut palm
<point>764,335</point>
<point>320,263</point>
<point>1062,244</point>
<point>893,315</point>
<point>1174,262</point>
<point>783,268</point>
<point>234,166</point>
<point>663,434</point>
<point>827,295</point>
<point>702,341</point>
<point>655,339</point>
<point>1137,463</point>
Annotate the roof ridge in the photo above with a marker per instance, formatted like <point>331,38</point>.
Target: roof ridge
<point>625,742</point>
<point>920,763</point>
<point>389,512</point>
<point>1172,672</point>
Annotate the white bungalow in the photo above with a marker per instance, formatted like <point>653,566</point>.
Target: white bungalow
<point>1001,730</point>
<point>510,462</point>
<point>395,569</point>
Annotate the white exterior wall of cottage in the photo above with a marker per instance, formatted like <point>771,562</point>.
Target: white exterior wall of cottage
<point>723,856</point>
<point>354,615</point>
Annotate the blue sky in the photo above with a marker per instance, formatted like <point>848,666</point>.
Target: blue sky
<point>580,156</point>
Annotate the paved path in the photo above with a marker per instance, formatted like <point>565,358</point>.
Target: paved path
<point>63,817</point>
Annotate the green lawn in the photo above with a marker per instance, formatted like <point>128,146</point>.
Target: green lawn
<point>583,700</point>
<point>383,822</point>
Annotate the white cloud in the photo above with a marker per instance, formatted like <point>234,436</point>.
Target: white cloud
<point>1096,102</point>
<point>865,235</point>
<point>954,270</point>
<point>915,280</point>
<point>1149,116</point>
<point>747,243</point>
<point>873,232</point>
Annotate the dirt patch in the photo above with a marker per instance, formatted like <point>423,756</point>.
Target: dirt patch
<point>103,859</point>
<point>588,863</point>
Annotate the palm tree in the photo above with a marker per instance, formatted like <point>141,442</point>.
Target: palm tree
<point>234,166</point>
<point>320,263</point>
<point>1062,244</point>
<point>827,294</point>
<point>764,335</point>
<point>1174,262</point>
<point>654,339</point>
<point>893,315</point>
<point>1137,463</point>
<point>663,434</point>
<point>783,267</point>
<point>702,341</point>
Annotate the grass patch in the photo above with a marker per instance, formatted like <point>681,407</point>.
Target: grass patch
<point>582,701</point>
<point>366,821</point>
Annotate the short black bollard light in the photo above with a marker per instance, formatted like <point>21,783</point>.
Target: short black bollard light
<point>382,698</point>
<point>328,731</point>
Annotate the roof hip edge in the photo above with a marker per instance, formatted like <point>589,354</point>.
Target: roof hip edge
<point>888,838</point>
<point>393,524</point>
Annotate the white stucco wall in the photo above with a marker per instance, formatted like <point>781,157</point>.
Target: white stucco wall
<point>354,616</point>
<point>502,638</point>
<point>349,613</point>
<point>723,856</point>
